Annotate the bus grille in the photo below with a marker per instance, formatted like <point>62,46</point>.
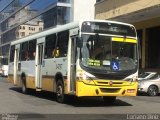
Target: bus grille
<point>110,90</point>
<point>102,83</point>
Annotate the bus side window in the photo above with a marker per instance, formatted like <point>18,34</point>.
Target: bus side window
<point>50,46</point>
<point>24,51</point>
<point>62,43</point>
<point>26,56</point>
<point>32,49</point>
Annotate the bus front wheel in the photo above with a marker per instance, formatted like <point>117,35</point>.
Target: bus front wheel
<point>109,99</point>
<point>60,91</point>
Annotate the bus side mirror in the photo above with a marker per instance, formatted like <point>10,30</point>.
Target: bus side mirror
<point>79,43</point>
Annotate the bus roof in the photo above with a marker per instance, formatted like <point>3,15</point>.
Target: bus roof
<point>46,32</point>
<point>110,21</point>
<point>61,28</point>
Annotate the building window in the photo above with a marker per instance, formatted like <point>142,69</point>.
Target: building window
<point>64,1</point>
<point>23,34</point>
<point>40,29</point>
<point>62,15</point>
<point>99,1</point>
<point>48,19</point>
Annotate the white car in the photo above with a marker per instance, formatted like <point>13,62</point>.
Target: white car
<point>146,75</point>
<point>150,86</point>
<point>4,70</point>
<point>1,72</point>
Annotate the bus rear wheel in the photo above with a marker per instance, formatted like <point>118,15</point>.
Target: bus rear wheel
<point>24,88</point>
<point>109,99</point>
<point>60,91</point>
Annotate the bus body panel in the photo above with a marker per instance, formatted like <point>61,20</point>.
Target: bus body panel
<point>49,70</point>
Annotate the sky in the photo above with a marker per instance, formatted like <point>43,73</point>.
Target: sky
<point>36,4</point>
<point>3,3</point>
<point>41,5</point>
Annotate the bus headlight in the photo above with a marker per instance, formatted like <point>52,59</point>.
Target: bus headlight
<point>82,76</point>
<point>131,80</point>
<point>85,78</point>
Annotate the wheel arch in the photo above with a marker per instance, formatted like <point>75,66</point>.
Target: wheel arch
<point>59,76</point>
<point>23,74</point>
<point>23,77</point>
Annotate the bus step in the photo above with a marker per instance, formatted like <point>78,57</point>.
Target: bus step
<point>72,93</point>
<point>38,89</point>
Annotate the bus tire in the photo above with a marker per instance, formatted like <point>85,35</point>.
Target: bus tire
<point>109,99</point>
<point>24,88</point>
<point>60,91</point>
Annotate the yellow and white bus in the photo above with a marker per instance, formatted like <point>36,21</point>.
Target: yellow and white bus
<point>87,58</point>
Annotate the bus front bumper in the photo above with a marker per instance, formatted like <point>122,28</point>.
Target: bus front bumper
<point>83,89</point>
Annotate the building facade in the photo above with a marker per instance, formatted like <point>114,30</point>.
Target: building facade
<point>145,16</point>
<point>20,18</point>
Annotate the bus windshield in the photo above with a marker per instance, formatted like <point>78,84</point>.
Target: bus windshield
<point>99,52</point>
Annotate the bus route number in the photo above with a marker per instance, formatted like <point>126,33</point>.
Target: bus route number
<point>59,66</point>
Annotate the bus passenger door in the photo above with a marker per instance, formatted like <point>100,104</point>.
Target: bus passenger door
<point>15,67</point>
<point>39,63</point>
<point>73,65</point>
<point>72,57</point>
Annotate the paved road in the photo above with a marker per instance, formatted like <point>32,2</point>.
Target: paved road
<point>38,104</point>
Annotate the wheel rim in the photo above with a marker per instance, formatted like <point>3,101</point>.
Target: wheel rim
<point>152,90</point>
<point>23,86</point>
<point>59,93</point>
